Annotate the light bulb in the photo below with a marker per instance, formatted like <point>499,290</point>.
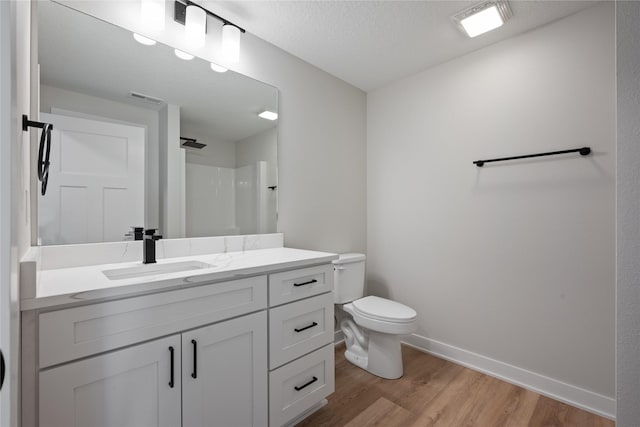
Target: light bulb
<point>195,26</point>
<point>230,43</point>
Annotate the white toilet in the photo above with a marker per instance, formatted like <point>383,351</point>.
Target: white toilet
<point>372,333</point>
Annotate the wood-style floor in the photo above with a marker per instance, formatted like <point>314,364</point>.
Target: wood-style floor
<point>435,392</point>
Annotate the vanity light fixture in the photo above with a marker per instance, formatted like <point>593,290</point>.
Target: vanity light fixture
<point>483,17</point>
<point>152,14</point>
<point>183,55</point>
<point>230,48</point>
<point>143,40</point>
<point>195,26</point>
<point>218,68</point>
<point>269,115</point>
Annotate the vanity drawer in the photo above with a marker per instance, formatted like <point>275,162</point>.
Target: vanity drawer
<point>296,387</point>
<point>299,328</point>
<point>297,284</point>
<point>78,332</point>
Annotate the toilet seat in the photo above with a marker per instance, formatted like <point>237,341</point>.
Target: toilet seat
<point>377,308</point>
<point>382,315</point>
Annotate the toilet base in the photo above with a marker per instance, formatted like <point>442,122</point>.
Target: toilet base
<point>385,355</point>
<point>357,358</point>
<point>377,353</point>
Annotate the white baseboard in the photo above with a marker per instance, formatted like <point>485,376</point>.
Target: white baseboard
<point>338,336</point>
<point>567,393</point>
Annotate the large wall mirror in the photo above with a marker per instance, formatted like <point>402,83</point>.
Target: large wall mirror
<point>143,138</point>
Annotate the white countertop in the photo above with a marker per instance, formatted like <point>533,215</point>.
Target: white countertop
<point>89,284</point>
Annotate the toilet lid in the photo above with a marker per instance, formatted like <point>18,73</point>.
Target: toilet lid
<point>384,309</point>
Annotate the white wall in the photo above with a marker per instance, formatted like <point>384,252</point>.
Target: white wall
<point>6,86</point>
<point>15,197</point>
<point>172,174</point>
<point>515,261</point>
<point>628,212</point>
<point>92,106</point>
<point>263,147</point>
<point>216,153</point>
<point>321,135</point>
<point>210,201</point>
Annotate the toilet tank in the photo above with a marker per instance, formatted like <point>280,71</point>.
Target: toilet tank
<point>348,278</point>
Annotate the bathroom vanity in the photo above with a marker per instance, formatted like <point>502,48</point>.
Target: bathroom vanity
<point>234,339</point>
<point>222,331</point>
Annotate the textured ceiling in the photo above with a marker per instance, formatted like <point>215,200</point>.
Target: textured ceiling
<point>372,43</point>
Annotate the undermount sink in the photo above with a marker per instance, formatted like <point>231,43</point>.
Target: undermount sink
<point>154,269</point>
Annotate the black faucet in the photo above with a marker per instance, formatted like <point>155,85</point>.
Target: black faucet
<point>149,246</point>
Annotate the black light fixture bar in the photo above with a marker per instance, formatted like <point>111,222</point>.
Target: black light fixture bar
<point>584,151</point>
<point>180,13</point>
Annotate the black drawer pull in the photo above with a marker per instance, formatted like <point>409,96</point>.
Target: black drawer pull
<point>171,361</point>
<point>194,374</point>
<point>305,283</point>
<point>306,327</point>
<point>307,384</point>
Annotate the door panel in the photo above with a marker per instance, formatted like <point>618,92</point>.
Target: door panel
<point>96,181</point>
<point>129,387</point>
<point>230,369</point>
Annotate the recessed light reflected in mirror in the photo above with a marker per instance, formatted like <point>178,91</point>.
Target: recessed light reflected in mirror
<point>183,55</point>
<point>269,115</point>
<point>144,40</point>
<point>218,68</point>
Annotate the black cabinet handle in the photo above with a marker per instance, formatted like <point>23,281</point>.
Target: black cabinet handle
<point>171,380</point>
<point>306,385</point>
<point>305,283</point>
<point>194,374</point>
<point>306,327</point>
<point>2,369</point>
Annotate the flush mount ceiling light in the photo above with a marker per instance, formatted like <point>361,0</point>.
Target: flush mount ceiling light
<point>269,115</point>
<point>183,55</point>
<point>218,68</point>
<point>230,31</point>
<point>483,17</point>
<point>144,40</point>
<point>152,14</point>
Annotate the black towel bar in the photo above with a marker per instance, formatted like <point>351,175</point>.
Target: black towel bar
<point>583,152</point>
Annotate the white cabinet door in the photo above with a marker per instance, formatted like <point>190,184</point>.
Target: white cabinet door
<point>130,387</point>
<point>224,374</point>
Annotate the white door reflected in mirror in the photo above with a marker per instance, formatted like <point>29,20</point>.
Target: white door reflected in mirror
<point>96,181</point>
